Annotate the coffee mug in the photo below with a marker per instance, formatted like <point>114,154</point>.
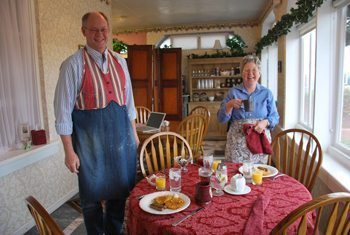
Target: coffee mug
<point>203,194</point>
<point>238,183</point>
<point>248,105</point>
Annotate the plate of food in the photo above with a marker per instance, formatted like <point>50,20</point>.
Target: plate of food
<point>268,171</point>
<point>164,202</point>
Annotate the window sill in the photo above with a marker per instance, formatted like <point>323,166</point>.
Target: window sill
<point>335,171</point>
<point>19,159</point>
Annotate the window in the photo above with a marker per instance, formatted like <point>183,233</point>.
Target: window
<point>185,41</point>
<point>19,103</point>
<point>194,41</point>
<point>208,40</point>
<point>344,76</point>
<point>307,88</point>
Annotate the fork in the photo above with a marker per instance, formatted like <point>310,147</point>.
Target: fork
<point>278,176</point>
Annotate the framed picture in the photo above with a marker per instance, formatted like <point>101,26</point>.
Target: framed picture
<point>24,132</point>
<point>80,46</point>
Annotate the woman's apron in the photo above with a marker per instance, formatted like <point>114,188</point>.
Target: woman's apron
<point>104,140</point>
<point>236,145</point>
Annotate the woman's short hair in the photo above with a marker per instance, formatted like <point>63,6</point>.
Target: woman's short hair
<point>251,59</point>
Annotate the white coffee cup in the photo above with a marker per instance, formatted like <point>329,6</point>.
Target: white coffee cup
<point>238,183</point>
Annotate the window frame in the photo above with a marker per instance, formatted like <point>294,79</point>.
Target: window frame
<point>340,42</point>
<point>303,30</point>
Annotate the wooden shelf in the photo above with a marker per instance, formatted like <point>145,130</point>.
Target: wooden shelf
<point>216,130</point>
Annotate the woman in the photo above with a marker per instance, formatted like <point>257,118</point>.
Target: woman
<point>252,103</point>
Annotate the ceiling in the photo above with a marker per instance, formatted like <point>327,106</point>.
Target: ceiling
<point>153,15</point>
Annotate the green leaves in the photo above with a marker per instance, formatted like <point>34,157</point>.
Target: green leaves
<point>236,45</point>
<point>302,14</point>
<point>119,46</point>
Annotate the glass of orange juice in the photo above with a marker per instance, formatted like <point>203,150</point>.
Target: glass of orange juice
<point>215,164</point>
<point>160,181</point>
<point>257,177</point>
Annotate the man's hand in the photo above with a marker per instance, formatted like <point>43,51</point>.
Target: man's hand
<point>72,162</point>
<point>71,158</point>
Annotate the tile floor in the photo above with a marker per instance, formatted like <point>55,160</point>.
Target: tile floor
<point>72,221</point>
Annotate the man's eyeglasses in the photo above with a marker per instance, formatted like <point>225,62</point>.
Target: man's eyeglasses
<point>96,31</point>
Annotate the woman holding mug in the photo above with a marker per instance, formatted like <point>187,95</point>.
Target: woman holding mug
<point>251,103</point>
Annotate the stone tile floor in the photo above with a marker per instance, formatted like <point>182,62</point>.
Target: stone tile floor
<point>71,221</point>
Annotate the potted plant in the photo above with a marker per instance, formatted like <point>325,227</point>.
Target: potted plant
<point>236,45</point>
<point>119,46</point>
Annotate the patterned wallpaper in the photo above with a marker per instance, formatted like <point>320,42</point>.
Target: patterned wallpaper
<point>58,27</point>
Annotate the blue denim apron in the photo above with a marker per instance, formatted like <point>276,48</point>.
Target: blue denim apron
<point>105,143</point>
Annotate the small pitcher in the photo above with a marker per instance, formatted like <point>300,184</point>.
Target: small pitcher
<point>238,183</point>
<point>203,193</point>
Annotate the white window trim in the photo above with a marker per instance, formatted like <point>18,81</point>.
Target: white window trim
<point>339,74</point>
<point>304,29</point>
<point>340,3</point>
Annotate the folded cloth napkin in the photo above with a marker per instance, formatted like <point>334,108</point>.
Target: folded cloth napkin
<point>257,143</point>
<point>255,222</point>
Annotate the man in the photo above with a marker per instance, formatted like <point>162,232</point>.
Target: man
<point>95,118</point>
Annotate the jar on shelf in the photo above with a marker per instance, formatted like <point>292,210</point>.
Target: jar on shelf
<point>237,70</point>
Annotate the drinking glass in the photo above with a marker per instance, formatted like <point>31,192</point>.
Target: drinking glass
<point>183,162</point>
<point>215,164</point>
<point>257,177</point>
<point>208,161</point>
<point>160,181</point>
<point>219,180</point>
<point>175,179</point>
<point>247,169</point>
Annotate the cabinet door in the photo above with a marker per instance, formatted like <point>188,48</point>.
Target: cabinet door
<point>141,71</point>
<point>168,82</point>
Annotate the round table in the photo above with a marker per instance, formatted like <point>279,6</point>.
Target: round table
<point>227,214</point>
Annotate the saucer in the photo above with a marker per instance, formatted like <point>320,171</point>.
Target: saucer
<point>229,190</point>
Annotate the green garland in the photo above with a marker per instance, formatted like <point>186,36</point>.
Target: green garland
<point>301,14</point>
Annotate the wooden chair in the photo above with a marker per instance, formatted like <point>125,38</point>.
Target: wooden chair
<point>43,220</point>
<point>206,113</point>
<point>298,153</point>
<point>332,208</point>
<point>192,128</point>
<point>158,151</point>
<point>142,114</point>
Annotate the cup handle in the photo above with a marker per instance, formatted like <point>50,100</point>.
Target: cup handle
<point>151,179</point>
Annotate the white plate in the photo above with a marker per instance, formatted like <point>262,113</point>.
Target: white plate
<point>273,171</point>
<point>229,190</point>
<point>147,200</point>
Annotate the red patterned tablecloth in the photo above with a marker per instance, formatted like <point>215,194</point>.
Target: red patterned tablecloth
<point>226,214</point>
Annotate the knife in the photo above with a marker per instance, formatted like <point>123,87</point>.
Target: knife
<point>187,216</point>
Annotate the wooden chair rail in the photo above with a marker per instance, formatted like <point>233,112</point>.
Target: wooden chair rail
<point>43,220</point>
<point>192,129</point>
<point>333,209</point>
<point>298,153</point>
<point>158,152</point>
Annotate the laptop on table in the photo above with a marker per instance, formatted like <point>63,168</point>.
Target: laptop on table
<point>153,124</point>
